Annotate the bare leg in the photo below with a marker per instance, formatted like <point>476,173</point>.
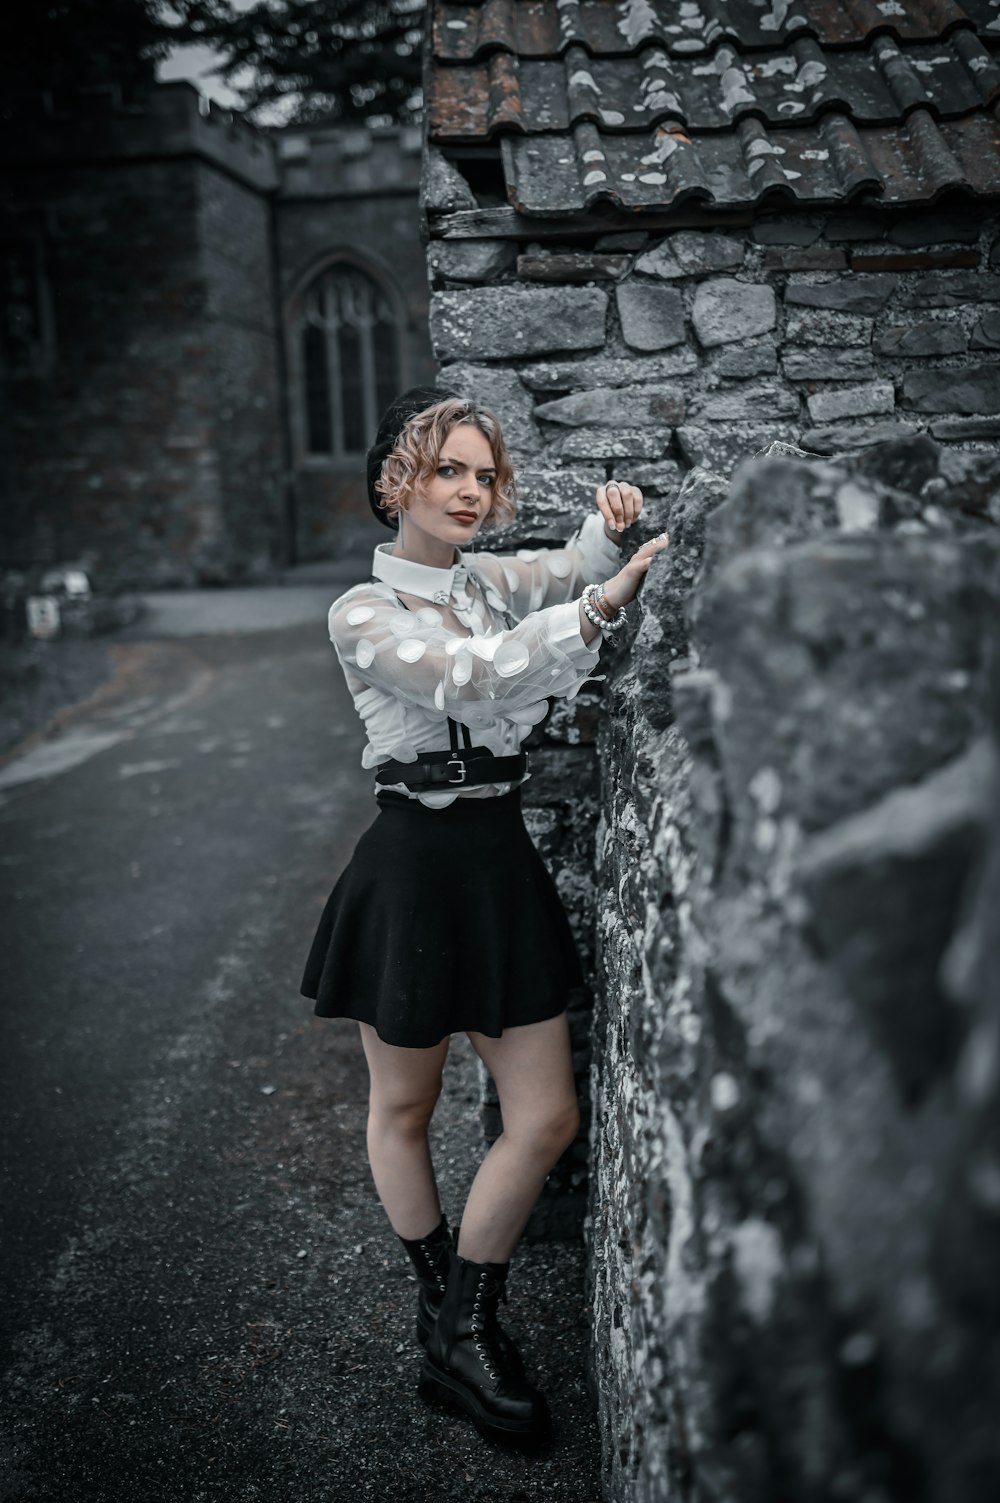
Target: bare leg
<point>533,1070</point>
<point>405,1086</point>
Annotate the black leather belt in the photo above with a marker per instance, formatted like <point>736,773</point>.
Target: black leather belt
<point>469,767</point>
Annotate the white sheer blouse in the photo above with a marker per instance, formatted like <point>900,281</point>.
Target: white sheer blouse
<point>408,671</point>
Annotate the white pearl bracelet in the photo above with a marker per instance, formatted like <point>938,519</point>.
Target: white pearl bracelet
<point>589,603</point>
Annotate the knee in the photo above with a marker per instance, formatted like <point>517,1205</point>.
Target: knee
<point>410,1116</point>
<point>551,1133</point>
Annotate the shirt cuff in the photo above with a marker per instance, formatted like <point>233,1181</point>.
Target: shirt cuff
<point>567,629</point>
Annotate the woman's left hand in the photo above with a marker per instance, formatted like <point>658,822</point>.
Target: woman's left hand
<point>619,504</point>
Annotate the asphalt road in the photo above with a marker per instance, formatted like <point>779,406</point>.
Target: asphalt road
<point>203,1298</point>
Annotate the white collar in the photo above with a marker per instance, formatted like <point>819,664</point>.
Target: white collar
<point>420,579</point>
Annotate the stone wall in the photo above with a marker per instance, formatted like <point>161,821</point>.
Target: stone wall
<point>644,354</point>
<point>795,1198</point>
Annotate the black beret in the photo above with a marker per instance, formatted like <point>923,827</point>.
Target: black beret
<point>394,420</point>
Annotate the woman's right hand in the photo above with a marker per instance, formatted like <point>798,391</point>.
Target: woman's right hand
<point>623,587</point>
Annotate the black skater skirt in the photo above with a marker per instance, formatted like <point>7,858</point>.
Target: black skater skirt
<point>443,920</point>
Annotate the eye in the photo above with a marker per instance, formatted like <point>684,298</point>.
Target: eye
<point>487,480</point>
<point>445,469</point>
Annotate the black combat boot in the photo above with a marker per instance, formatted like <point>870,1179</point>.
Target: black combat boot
<point>429,1256</point>
<point>465,1366</point>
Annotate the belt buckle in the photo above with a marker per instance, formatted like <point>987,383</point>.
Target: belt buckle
<point>456,762</point>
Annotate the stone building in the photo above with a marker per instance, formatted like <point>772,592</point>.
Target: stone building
<point>664,239</point>
<point>200,323</point>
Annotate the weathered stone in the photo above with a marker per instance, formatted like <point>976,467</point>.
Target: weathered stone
<point>994,261</point>
<point>827,364</point>
<point>746,402</point>
<point>904,462</point>
<point>970,388</point>
<point>603,370</point>
<point>886,261</point>
<point>501,390</point>
<point>950,290</point>
<point>839,438</point>
<point>986,334</point>
<point>547,496</point>
<point>969,428</point>
<point>651,317</point>
<point>443,189</point>
<point>795,231</point>
<point>692,253</point>
<point>924,229</point>
<point>612,443</point>
<point>572,266</point>
<point>852,401</point>
<point>496,323</point>
<point>828,328</point>
<point>911,853</point>
<point>932,336</point>
<point>805,498</point>
<point>721,448</point>
<point>468,260</point>
<point>657,478</point>
<point>624,240</point>
<point>819,258</point>
<point>635,406</point>
<point>827,626</point>
<point>846,294</point>
<point>854,227</point>
<point>726,310</point>
<point>756,359</point>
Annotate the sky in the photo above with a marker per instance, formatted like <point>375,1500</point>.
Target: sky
<point>195,64</point>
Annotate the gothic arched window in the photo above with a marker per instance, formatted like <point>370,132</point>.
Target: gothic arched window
<point>349,348</point>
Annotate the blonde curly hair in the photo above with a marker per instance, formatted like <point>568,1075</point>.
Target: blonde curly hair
<point>414,457</point>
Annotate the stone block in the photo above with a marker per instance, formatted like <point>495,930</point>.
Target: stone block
<point>443,189</point>
<point>547,496</point>
<point>469,260</point>
<point>602,370</point>
<point>970,388</point>
<point>836,329</point>
<point>657,479</point>
<point>943,289</point>
<point>826,364</point>
<point>572,266</point>
<point>758,358</point>
<point>833,652</point>
<point>750,401</point>
<point>986,334</point>
<point>721,448</point>
<point>623,240</point>
<point>886,261</point>
<point>932,336</point>
<point>966,428</point>
<point>501,390</point>
<point>819,258</point>
<point>498,323</point>
<point>652,318</point>
<point>692,253</point>
<point>852,401</point>
<point>726,311</point>
<point>910,854</point>
<point>852,293</point>
<point>791,231</point>
<point>636,406</point>
<point>839,438</point>
<point>612,443</point>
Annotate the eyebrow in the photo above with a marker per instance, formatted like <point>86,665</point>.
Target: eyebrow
<point>460,464</point>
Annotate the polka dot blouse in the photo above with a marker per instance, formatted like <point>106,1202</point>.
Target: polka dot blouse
<point>408,670</point>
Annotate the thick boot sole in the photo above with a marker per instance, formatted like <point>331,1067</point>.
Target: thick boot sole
<point>437,1386</point>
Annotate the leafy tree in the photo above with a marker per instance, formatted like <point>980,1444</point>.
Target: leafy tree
<point>305,61</point>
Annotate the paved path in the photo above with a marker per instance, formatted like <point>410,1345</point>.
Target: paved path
<point>203,1298</point>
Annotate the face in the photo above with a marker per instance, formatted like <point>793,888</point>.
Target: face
<point>453,504</point>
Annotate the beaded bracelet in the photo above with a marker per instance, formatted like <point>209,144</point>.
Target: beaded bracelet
<point>589,603</point>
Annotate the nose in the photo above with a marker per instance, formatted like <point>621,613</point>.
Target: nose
<point>469,490</point>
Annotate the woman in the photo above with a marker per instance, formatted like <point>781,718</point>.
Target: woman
<point>446,919</point>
